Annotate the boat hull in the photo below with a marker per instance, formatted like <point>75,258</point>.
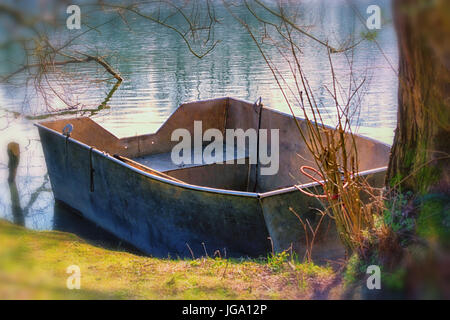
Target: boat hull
<point>157,217</point>
<point>286,230</point>
<point>191,211</point>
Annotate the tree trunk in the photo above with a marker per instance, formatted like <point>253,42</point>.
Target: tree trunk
<point>420,154</point>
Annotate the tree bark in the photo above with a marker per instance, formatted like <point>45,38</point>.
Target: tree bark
<point>419,159</point>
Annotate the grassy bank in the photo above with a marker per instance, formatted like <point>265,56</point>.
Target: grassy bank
<point>33,266</point>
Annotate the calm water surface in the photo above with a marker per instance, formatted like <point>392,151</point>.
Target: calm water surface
<point>160,74</point>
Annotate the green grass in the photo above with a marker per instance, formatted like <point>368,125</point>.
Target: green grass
<point>33,266</point>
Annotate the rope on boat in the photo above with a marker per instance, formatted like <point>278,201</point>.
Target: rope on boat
<point>257,107</point>
<point>66,131</point>
<point>91,170</point>
<point>319,196</point>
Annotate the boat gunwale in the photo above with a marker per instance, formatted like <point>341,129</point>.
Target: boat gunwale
<point>149,175</point>
<point>255,195</point>
<point>315,184</point>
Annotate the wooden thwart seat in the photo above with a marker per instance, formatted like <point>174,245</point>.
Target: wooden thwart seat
<point>145,168</point>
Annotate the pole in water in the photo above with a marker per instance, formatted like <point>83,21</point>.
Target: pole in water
<point>13,162</point>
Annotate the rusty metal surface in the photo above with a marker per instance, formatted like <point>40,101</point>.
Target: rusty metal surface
<point>293,151</point>
<point>210,112</point>
<point>159,216</point>
<point>231,177</point>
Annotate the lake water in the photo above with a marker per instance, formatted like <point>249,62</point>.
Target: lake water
<point>160,73</point>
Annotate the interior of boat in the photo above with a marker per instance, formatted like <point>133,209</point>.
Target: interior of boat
<point>152,152</point>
